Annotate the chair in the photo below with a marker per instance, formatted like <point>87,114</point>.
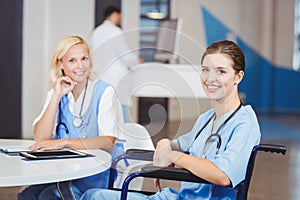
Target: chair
<point>177,174</point>
<point>133,136</point>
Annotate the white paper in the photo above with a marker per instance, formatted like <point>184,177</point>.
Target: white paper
<point>10,149</point>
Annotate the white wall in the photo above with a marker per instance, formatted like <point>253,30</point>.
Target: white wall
<point>34,65</point>
<point>45,23</point>
<point>131,21</point>
<point>265,25</point>
<point>284,32</point>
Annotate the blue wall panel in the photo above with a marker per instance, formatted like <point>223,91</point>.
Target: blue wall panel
<point>286,86</point>
<point>268,88</point>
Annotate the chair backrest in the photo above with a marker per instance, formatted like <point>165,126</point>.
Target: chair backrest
<point>243,187</point>
<point>135,136</point>
<point>132,136</point>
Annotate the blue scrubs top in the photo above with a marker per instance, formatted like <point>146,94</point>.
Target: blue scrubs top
<point>239,135</point>
<point>89,128</point>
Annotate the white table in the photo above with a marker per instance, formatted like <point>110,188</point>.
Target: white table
<point>15,171</point>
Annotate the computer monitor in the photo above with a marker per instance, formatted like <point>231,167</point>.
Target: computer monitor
<point>167,43</point>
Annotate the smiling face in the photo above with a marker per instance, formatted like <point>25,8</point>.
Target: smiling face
<point>218,78</point>
<point>76,63</point>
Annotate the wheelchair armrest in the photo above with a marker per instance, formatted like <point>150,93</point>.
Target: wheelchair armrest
<point>135,154</point>
<point>140,154</point>
<point>273,148</point>
<point>170,173</point>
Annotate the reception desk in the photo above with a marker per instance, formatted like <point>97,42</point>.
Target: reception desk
<point>161,80</point>
<point>178,82</point>
<point>166,80</point>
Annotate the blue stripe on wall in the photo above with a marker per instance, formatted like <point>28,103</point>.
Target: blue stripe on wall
<point>268,88</point>
<point>258,78</point>
<point>286,85</point>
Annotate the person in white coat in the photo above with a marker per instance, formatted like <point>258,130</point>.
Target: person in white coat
<point>112,57</point>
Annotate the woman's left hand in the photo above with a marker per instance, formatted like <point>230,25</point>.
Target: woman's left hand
<point>48,145</point>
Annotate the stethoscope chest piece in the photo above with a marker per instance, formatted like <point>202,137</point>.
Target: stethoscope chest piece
<point>77,122</point>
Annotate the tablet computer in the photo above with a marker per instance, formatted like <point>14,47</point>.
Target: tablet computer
<point>53,154</point>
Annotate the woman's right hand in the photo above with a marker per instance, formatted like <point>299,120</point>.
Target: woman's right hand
<point>46,145</point>
<point>63,85</point>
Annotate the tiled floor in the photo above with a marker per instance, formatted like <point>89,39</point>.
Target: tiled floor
<point>275,177</point>
<point>9,193</point>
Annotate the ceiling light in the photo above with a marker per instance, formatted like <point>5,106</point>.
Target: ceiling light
<point>155,14</point>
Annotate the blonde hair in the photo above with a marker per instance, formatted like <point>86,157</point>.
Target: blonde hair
<point>63,46</point>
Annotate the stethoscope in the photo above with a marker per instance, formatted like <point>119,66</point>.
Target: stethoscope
<point>61,125</point>
<point>216,136</point>
<point>77,121</point>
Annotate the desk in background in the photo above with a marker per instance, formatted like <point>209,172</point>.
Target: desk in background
<point>180,83</point>
<point>165,80</point>
<point>15,171</point>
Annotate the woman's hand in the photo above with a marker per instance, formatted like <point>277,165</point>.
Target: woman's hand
<point>63,85</point>
<point>49,145</point>
<point>169,159</point>
<point>164,156</point>
<point>163,148</point>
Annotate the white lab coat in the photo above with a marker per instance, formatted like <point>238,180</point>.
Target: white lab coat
<point>112,58</point>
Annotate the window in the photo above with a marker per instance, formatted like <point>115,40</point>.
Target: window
<point>296,57</point>
<point>152,11</point>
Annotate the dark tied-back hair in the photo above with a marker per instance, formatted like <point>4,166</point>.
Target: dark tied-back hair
<point>229,48</point>
<point>110,10</point>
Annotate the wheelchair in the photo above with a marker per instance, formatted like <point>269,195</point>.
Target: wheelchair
<point>178,174</point>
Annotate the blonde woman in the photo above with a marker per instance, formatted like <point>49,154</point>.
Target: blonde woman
<point>79,113</point>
